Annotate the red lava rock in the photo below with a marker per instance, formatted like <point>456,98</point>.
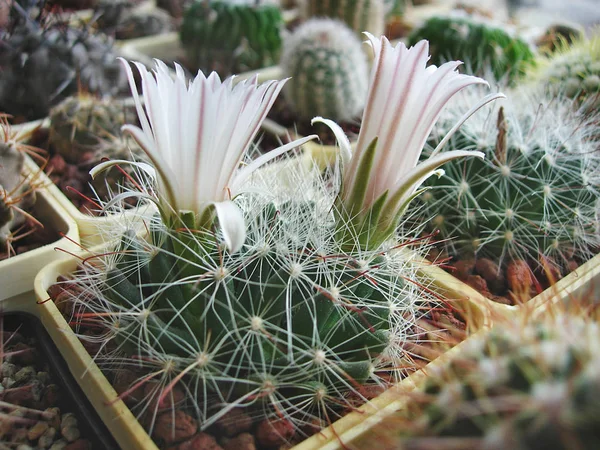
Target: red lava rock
<point>572,265</point>
<point>56,165</point>
<point>233,423</point>
<point>153,391</point>
<point>549,271</point>
<point>520,278</point>
<point>123,382</point>
<point>491,273</point>
<point>464,268</point>
<point>175,426</point>
<point>201,441</point>
<point>79,444</point>
<point>479,284</point>
<point>20,396</point>
<point>244,441</point>
<point>272,433</point>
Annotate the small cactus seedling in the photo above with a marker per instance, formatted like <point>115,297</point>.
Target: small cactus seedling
<point>573,69</point>
<point>231,37</point>
<point>535,197</point>
<point>328,69</point>
<point>42,63</point>
<point>17,190</point>
<point>482,45</point>
<point>364,15</point>
<point>530,383</point>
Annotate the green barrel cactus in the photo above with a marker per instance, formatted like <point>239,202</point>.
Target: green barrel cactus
<point>328,69</point>
<point>481,45</point>
<point>535,196</point>
<point>573,69</point>
<point>231,37</point>
<point>285,327</point>
<point>527,384</point>
<point>359,15</point>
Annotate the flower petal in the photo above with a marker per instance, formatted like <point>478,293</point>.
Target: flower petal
<point>232,224</point>
<point>341,138</point>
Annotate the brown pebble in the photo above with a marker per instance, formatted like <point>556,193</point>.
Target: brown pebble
<point>244,441</point>
<point>153,391</point>
<point>123,382</point>
<point>491,273</point>
<point>479,284</point>
<point>520,279</point>
<point>79,444</point>
<point>27,356</point>
<point>233,423</point>
<point>37,430</point>
<point>175,426</point>
<point>22,396</point>
<point>464,268</point>
<point>47,438</point>
<point>201,441</point>
<point>54,413</point>
<point>272,433</point>
<point>572,265</point>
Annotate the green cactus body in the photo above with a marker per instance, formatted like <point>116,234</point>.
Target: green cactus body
<point>286,327</point>
<point>481,45</point>
<point>359,15</point>
<point>231,37</point>
<point>79,123</point>
<point>521,386</point>
<point>535,195</point>
<point>328,69</point>
<point>573,70</point>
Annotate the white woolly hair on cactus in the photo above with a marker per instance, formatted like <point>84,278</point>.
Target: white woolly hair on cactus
<point>328,69</point>
<point>221,371</point>
<point>535,195</point>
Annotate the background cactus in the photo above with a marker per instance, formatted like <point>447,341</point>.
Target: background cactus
<point>44,63</point>
<point>79,123</point>
<point>231,37</point>
<point>527,384</point>
<point>290,327</point>
<point>536,195</point>
<point>363,15</point>
<point>328,69</point>
<point>124,20</point>
<point>573,69</point>
<point>481,44</point>
<point>17,192</point>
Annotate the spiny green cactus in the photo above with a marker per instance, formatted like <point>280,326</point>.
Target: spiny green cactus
<point>126,21</point>
<point>573,69</point>
<point>527,384</point>
<point>231,37</point>
<point>537,193</point>
<point>286,327</point>
<point>44,63</point>
<point>481,45</point>
<point>328,69</point>
<point>359,15</point>
<point>80,122</point>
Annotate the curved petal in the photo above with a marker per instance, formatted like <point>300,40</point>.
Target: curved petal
<point>114,162</point>
<point>232,224</point>
<point>341,138</point>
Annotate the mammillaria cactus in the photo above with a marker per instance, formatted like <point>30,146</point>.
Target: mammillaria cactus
<point>42,64</point>
<point>366,15</point>
<point>481,44</point>
<point>529,383</point>
<point>231,36</point>
<point>17,190</point>
<point>534,198</point>
<point>248,292</point>
<point>573,69</point>
<point>126,21</point>
<point>80,122</point>
<point>328,69</point>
